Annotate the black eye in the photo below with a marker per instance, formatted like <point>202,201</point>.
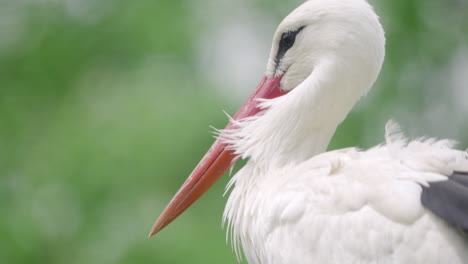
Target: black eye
<point>286,42</point>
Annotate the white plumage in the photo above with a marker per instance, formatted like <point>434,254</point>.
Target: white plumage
<point>295,203</point>
<point>348,206</point>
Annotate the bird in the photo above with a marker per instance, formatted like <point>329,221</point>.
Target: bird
<point>403,201</point>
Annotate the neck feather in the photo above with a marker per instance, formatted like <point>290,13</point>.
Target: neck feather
<point>290,130</point>
<point>299,125</point>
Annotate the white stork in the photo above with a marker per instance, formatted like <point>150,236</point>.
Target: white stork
<point>292,203</point>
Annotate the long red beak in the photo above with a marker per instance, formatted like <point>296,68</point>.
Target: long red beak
<point>217,160</point>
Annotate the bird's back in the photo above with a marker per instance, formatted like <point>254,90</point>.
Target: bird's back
<point>351,206</point>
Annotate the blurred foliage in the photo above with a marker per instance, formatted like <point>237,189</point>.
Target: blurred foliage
<point>104,113</point>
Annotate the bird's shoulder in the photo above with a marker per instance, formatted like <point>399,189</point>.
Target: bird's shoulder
<point>374,196</point>
<point>389,178</point>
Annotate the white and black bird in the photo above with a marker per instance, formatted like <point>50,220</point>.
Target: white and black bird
<point>400,202</point>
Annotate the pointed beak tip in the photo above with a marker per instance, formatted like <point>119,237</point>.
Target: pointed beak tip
<point>151,234</point>
<point>154,230</point>
<point>158,226</point>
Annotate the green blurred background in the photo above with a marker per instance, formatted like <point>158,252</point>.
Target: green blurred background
<point>105,107</point>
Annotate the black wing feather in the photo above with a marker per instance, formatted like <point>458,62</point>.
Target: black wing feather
<point>449,199</point>
<point>460,177</point>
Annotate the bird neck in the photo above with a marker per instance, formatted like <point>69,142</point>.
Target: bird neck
<point>291,129</point>
<point>299,125</point>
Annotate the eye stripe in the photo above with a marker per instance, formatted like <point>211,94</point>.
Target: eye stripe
<point>286,42</point>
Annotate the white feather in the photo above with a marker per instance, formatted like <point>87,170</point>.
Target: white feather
<point>295,203</point>
<point>347,206</point>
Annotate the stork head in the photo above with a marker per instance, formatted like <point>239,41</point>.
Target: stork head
<point>326,51</point>
<point>344,32</point>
